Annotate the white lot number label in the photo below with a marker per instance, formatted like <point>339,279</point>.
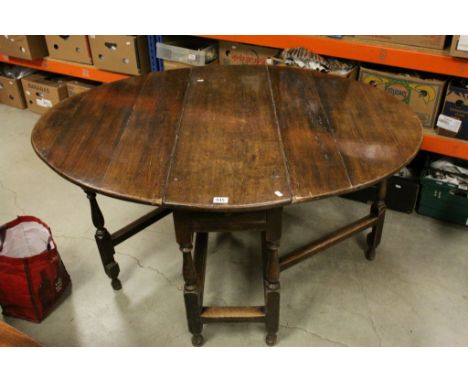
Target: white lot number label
<point>220,200</point>
<point>44,102</point>
<point>449,123</point>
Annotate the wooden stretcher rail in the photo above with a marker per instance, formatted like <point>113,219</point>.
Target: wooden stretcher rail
<point>139,225</point>
<point>321,244</point>
<point>233,314</point>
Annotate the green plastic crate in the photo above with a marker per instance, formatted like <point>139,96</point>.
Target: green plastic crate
<point>443,201</point>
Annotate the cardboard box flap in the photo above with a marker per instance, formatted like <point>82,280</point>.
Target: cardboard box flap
<point>79,86</point>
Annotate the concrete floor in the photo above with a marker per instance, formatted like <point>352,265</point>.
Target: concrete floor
<point>414,294</point>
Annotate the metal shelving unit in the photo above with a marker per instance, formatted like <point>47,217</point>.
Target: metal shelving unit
<point>428,60</point>
<point>87,72</point>
<point>156,64</point>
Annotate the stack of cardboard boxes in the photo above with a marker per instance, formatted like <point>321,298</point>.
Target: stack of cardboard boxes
<point>184,52</point>
<point>122,54</point>
<point>24,88</point>
<point>40,91</point>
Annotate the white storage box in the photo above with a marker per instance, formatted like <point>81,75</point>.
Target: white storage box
<point>192,51</point>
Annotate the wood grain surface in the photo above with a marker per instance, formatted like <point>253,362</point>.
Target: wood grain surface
<point>255,136</point>
<point>228,145</point>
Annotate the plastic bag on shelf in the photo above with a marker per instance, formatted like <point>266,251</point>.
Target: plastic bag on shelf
<point>306,59</point>
<point>15,72</point>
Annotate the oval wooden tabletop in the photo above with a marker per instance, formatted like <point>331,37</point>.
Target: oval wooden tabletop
<point>228,137</point>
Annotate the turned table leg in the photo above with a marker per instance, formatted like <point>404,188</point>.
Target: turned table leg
<point>192,291</point>
<point>104,242</point>
<point>188,224</point>
<point>270,245</point>
<point>378,210</point>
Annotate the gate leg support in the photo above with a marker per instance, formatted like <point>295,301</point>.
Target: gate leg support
<point>377,209</point>
<point>271,274</point>
<point>104,242</point>
<point>192,291</point>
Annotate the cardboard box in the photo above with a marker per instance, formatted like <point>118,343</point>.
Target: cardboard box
<point>69,48</point>
<point>352,74</point>
<point>43,91</point>
<point>22,46</point>
<point>11,92</point>
<point>190,50</point>
<point>459,47</point>
<point>121,54</point>
<point>422,95</point>
<point>172,65</point>
<point>453,121</point>
<point>423,41</point>
<point>231,53</point>
<point>79,86</point>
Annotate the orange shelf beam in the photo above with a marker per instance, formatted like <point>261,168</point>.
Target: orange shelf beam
<point>457,148</point>
<point>427,60</point>
<point>87,72</point>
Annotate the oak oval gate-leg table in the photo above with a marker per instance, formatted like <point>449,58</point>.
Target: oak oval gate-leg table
<point>227,148</point>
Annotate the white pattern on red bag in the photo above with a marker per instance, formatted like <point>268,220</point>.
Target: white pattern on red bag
<point>58,284</point>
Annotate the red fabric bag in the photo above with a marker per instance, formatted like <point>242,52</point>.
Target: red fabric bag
<point>32,275</point>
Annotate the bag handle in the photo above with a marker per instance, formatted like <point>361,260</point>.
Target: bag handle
<point>2,236</point>
<point>50,240</point>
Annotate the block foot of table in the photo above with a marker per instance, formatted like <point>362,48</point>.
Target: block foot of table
<point>271,339</point>
<point>197,340</point>
<point>116,284</point>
